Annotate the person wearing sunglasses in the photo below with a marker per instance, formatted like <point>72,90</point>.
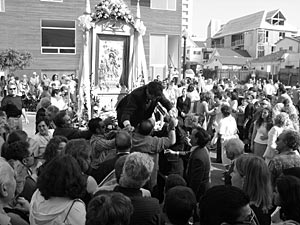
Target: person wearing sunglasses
<point>14,108</point>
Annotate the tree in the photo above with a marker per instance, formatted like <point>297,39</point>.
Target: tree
<point>12,60</point>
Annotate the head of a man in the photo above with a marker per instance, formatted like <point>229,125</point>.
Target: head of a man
<point>154,90</point>
<point>97,126</point>
<point>12,89</point>
<point>7,182</point>
<point>288,140</point>
<point>225,205</point>
<point>51,112</point>
<point>180,203</point>
<point>109,208</point>
<point>234,148</point>
<point>123,142</point>
<point>45,102</point>
<point>145,127</point>
<point>62,119</point>
<point>200,137</point>
<point>136,170</point>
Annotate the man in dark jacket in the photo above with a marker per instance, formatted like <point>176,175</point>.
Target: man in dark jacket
<point>183,104</point>
<point>139,105</point>
<point>198,168</point>
<point>63,127</point>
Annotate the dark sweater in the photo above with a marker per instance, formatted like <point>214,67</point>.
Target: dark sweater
<point>72,133</point>
<point>146,210</point>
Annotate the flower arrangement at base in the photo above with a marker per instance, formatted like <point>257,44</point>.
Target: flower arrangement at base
<point>112,9</point>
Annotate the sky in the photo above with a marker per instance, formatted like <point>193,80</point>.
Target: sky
<point>226,10</point>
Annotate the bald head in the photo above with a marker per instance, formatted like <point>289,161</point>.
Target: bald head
<point>123,141</point>
<point>145,127</point>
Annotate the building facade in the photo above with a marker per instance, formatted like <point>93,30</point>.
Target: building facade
<point>48,29</point>
<point>187,14</point>
<point>257,33</point>
<point>289,43</point>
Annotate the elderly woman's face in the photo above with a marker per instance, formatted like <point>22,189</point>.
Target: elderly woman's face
<point>43,128</point>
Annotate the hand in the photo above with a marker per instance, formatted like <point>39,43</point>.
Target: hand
<point>182,114</point>
<point>26,121</point>
<point>264,137</point>
<point>22,204</point>
<point>108,120</point>
<point>173,123</point>
<point>173,112</point>
<point>129,128</point>
<point>187,141</point>
<point>170,151</point>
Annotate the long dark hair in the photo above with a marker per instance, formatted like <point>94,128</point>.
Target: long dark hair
<point>269,121</point>
<point>62,177</point>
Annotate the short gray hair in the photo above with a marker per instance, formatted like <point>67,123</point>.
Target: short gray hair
<point>235,146</point>
<point>136,170</point>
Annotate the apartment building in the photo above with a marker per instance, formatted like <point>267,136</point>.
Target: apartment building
<point>257,33</point>
<point>48,29</point>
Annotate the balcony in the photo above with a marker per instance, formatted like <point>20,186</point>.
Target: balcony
<point>219,45</point>
<point>239,42</point>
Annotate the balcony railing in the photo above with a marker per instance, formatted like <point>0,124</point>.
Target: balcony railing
<point>217,46</point>
<point>237,42</point>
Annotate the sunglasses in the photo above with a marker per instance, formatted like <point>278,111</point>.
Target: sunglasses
<point>12,89</point>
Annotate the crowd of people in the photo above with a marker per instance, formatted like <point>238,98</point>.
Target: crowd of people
<point>154,166</point>
<point>61,90</point>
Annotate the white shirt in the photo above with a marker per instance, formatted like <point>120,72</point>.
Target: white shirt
<point>269,89</point>
<point>60,104</point>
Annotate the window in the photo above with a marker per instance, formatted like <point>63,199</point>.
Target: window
<point>164,5</point>
<point>267,36</point>
<point>158,50</point>
<point>261,36</point>
<point>273,48</point>
<point>291,48</point>
<point>281,35</point>
<point>58,37</point>
<point>51,0</point>
<point>145,3</point>
<point>2,5</point>
<point>197,52</point>
<point>260,51</point>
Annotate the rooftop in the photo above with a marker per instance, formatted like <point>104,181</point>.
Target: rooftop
<point>252,22</point>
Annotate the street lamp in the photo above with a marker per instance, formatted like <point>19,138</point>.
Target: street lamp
<point>184,36</point>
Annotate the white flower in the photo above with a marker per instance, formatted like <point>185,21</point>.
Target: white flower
<point>85,22</point>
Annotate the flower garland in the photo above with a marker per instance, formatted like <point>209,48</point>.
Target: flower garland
<point>112,9</point>
<point>85,22</point>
